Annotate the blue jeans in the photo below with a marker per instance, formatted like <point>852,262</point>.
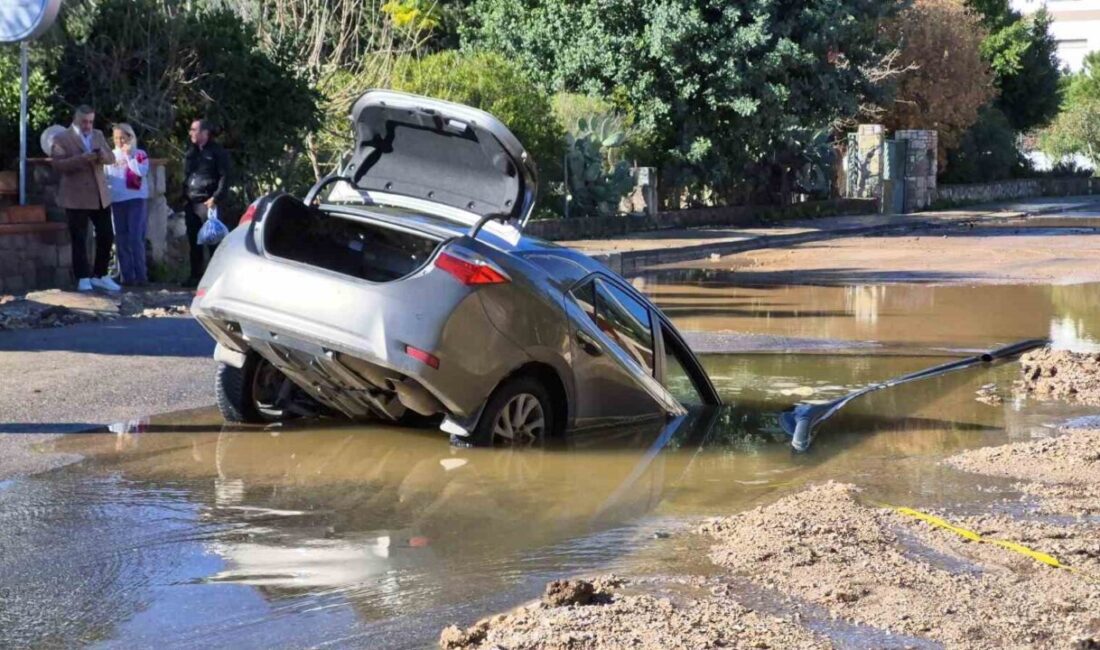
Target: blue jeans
<point>130,217</point>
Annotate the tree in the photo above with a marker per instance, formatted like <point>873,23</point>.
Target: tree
<point>722,90</point>
<point>1076,130</point>
<point>341,48</point>
<point>39,93</point>
<point>986,152</point>
<point>1023,56</point>
<point>1085,84</point>
<point>949,81</point>
<point>159,66</point>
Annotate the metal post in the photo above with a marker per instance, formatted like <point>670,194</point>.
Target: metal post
<point>23,50</point>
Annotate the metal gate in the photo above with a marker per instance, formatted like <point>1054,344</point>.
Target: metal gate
<point>893,176</point>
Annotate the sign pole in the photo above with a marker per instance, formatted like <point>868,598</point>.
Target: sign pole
<point>23,82</point>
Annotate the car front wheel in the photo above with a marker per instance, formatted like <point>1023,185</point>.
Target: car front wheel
<point>519,414</point>
<point>253,393</point>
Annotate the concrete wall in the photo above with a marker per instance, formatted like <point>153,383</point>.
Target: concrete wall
<point>1075,26</point>
<point>604,227</point>
<point>1015,189</point>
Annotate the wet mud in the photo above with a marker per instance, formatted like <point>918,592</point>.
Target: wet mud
<point>1062,374</point>
<point>866,564</point>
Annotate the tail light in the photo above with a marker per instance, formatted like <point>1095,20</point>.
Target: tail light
<point>469,270</point>
<point>249,213</point>
<point>426,358</point>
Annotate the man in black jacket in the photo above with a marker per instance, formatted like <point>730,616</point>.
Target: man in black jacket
<point>205,185</point>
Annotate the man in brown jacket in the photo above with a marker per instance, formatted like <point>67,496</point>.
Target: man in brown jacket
<point>79,155</point>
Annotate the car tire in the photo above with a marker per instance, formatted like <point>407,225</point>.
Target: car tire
<point>522,405</point>
<point>235,390</point>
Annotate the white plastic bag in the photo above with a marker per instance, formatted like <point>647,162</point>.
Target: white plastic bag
<point>213,231</point>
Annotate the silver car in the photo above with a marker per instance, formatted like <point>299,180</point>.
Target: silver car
<point>402,288</point>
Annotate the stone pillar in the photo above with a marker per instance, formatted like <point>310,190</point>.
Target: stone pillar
<point>920,167</point>
<point>156,230</point>
<point>864,166</point>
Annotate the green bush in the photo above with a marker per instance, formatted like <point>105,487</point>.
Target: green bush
<point>986,152</point>
<point>495,85</point>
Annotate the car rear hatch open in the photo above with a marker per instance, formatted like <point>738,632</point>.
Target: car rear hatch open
<point>433,152</point>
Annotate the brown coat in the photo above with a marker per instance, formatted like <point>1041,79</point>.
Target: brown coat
<point>83,184</point>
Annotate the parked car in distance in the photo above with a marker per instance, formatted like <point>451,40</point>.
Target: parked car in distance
<point>402,287</point>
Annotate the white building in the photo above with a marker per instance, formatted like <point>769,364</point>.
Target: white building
<point>1075,25</point>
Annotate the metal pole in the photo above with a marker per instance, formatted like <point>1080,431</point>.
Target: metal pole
<point>23,50</point>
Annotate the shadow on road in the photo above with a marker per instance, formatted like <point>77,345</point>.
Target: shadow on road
<point>170,337</point>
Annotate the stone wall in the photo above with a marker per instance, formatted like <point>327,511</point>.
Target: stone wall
<point>42,190</point>
<point>1020,188</point>
<point>34,256</point>
<point>604,227</point>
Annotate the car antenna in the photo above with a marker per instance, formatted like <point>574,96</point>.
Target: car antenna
<point>800,421</point>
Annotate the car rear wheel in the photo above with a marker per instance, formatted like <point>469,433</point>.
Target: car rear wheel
<point>519,414</point>
<point>253,393</point>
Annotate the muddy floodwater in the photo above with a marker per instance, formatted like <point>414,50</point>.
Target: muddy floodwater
<point>178,532</point>
<point>909,317</point>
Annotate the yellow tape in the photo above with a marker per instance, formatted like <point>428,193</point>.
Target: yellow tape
<point>1038,556</point>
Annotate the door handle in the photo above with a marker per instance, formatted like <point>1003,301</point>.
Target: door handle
<point>588,344</point>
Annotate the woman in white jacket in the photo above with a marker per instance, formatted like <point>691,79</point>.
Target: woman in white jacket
<point>129,187</point>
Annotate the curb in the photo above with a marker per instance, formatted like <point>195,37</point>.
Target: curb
<point>632,263</point>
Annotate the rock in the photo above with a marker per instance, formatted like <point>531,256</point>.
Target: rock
<point>1060,374</point>
<point>561,593</point>
<point>455,638</point>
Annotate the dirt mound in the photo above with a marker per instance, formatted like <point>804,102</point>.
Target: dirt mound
<point>874,566</point>
<point>631,621</point>
<point>1064,472</point>
<point>1060,374</point>
<point>57,308</point>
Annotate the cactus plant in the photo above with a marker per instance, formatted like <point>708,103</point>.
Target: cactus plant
<point>595,186</point>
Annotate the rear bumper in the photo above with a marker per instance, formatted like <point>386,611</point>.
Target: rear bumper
<point>344,340</point>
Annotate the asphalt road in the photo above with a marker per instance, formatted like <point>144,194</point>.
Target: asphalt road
<point>79,377</point>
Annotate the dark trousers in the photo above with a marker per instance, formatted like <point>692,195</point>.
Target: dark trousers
<point>130,218</point>
<point>195,215</point>
<point>104,239</point>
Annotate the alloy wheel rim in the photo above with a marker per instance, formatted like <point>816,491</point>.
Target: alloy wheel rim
<point>521,422</point>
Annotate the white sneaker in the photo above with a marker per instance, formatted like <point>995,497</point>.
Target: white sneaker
<point>106,283</point>
<point>85,284</point>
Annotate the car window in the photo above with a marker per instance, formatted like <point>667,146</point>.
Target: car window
<point>626,322</point>
<point>585,295</point>
<point>677,380</point>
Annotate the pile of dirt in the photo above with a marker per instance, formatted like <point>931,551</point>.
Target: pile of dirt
<point>614,619</point>
<point>1063,472</point>
<point>878,567</point>
<point>1060,374</point>
<point>57,308</point>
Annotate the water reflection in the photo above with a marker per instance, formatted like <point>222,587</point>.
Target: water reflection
<point>902,315</point>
